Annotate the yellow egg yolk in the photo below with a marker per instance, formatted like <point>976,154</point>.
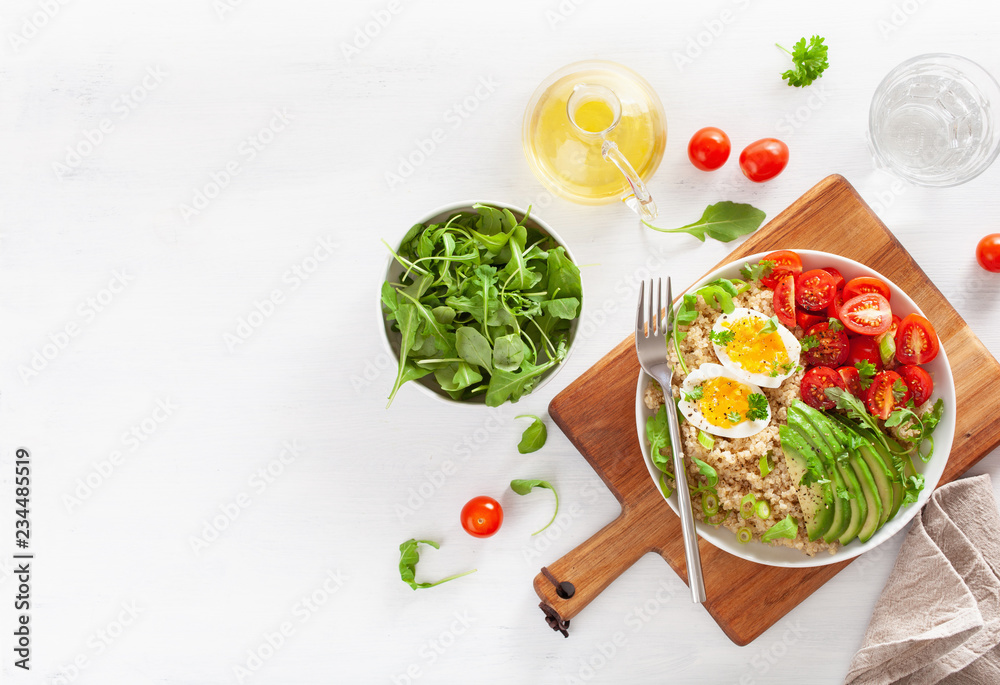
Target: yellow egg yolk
<point>720,398</point>
<point>754,352</point>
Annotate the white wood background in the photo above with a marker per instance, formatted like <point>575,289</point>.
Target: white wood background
<point>182,90</point>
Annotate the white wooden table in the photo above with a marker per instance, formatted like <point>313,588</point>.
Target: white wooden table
<point>192,200</point>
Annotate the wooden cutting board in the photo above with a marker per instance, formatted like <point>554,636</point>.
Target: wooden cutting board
<point>597,414</point>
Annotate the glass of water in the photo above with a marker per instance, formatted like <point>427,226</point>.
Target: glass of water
<point>932,120</point>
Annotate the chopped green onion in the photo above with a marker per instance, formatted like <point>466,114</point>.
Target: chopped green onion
<point>763,509</point>
<point>743,535</point>
<point>709,503</point>
<point>706,440</point>
<point>766,464</point>
<point>887,348</point>
<point>747,505</point>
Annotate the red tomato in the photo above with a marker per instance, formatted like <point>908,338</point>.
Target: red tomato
<point>709,148</point>
<point>782,262</point>
<point>867,314</point>
<point>916,340</point>
<point>814,290</point>
<point>806,320</point>
<point>988,252</point>
<point>837,277</point>
<point>482,516</point>
<point>814,385</point>
<point>852,379</point>
<point>866,284</point>
<point>864,348</point>
<point>764,159</point>
<point>833,311</point>
<point>784,300</point>
<point>919,382</point>
<point>831,346</point>
<point>880,398</point>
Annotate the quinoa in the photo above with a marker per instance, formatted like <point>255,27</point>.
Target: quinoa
<point>737,461</point>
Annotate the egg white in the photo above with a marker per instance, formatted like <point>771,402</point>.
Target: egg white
<point>692,412</point>
<point>792,348</point>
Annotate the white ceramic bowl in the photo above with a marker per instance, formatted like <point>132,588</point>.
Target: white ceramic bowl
<point>944,388</point>
<point>394,270</point>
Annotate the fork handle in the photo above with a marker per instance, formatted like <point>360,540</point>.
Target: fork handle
<point>692,555</point>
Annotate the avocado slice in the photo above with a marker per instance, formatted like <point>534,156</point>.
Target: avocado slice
<point>880,463</point>
<point>798,422</point>
<point>870,491</point>
<point>815,499</point>
<point>842,509</point>
<point>858,504</point>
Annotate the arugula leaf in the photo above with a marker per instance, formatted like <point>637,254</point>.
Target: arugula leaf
<point>473,347</point>
<point>810,62</point>
<point>505,385</point>
<point>770,327</point>
<point>759,410</point>
<point>721,338</point>
<point>787,527</point>
<point>508,352</point>
<point>408,558</point>
<point>723,221</point>
<point>534,435</point>
<point>523,487</point>
<point>563,307</point>
<point>658,435</point>
<point>758,271</point>
<point>708,471</point>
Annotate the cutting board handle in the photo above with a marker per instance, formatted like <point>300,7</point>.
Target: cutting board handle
<point>571,583</point>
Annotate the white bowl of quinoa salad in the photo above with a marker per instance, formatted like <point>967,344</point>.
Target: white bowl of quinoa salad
<point>737,461</point>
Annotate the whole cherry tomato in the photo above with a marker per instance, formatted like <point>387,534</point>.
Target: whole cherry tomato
<point>709,148</point>
<point>988,252</point>
<point>482,516</point>
<point>764,159</point>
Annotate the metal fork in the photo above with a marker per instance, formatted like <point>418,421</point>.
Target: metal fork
<point>652,334</point>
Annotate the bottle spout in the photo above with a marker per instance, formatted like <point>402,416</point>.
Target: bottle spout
<point>639,200</point>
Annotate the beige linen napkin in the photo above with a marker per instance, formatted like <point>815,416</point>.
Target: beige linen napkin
<point>938,619</point>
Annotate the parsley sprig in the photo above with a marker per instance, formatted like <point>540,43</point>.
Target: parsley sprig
<point>810,61</point>
<point>758,407</point>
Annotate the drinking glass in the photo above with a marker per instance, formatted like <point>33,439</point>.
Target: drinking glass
<point>932,120</point>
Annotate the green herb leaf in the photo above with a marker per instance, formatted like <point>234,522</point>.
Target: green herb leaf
<point>508,352</point>
<point>758,271</point>
<point>835,325</point>
<point>898,390</point>
<point>734,417</point>
<point>697,392</point>
<point>658,435</point>
<point>721,338</point>
<point>408,558</point>
<point>810,62</point>
<point>759,409</point>
<point>473,347</point>
<point>708,471</point>
<point>534,435</point>
<point>787,527</point>
<point>808,342</point>
<point>866,371</point>
<point>523,487</point>
<point>723,221</point>
<point>770,327</point>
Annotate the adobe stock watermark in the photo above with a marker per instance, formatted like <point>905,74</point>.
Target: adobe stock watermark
<point>87,312</point>
<point>768,657</point>
<point>793,121</point>
<point>257,484</point>
<point>97,643</point>
<point>32,24</point>
<point>272,641</point>
<point>246,151</point>
<point>131,439</point>
<point>293,278</point>
<point>432,481</point>
<point>122,106</point>
<point>223,8</point>
<point>901,13</point>
<point>453,117</point>
<point>712,30</point>
<point>635,620</point>
<point>562,12</point>
<point>365,33</point>
<point>431,650</point>
<point>542,542</point>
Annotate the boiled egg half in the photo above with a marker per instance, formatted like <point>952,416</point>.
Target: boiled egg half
<point>715,400</point>
<point>755,347</point>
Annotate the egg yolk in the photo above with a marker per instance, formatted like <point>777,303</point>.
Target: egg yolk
<point>754,352</point>
<point>720,398</point>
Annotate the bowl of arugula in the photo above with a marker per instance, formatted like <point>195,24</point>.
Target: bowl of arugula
<point>480,304</point>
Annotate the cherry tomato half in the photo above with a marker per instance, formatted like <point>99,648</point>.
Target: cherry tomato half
<point>831,346</point>
<point>864,348</point>
<point>784,300</point>
<point>782,262</point>
<point>709,148</point>
<point>807,320</point>
<point>482,516</point>
<point>837,277</point>
<point>852,379</point>
<point>881,399</point>
<point>867,314</point>
<point>918,381</point>
<point>833,311</point>
<point>866,284</point>
<point>814,290</point>
<point>764,159</point>
<point>988,252</point>
<point>814,385</point>
<point>916,340</point>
